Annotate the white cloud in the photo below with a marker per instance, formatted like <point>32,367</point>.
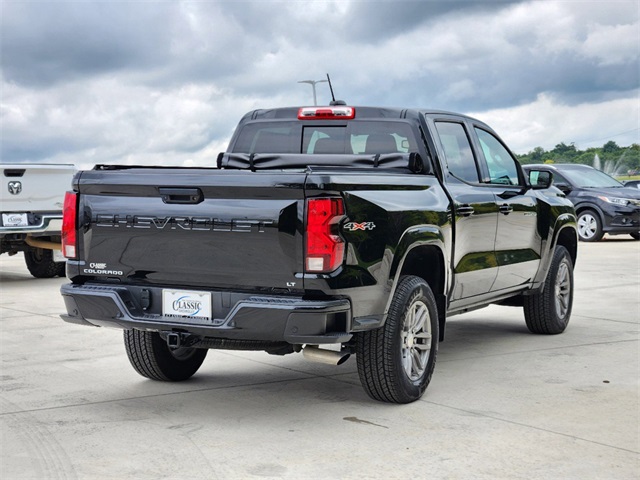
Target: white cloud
<point>105,121</point>
<point>613,45</point>
<point>546,122</point>
<point>166,85</point>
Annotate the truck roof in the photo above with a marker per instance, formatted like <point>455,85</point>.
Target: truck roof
<point>363,112</point>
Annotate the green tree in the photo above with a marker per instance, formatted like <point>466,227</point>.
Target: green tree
<point>563,153</point>
<point>624,158</point>
<point>610,147</point>
<point>537,154</point>
<point>586,158</point>
<point>632,158</point>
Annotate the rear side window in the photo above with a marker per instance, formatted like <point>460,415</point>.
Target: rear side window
<point>457,150</point>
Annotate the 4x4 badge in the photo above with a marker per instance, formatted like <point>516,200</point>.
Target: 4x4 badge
<point>353,226</point>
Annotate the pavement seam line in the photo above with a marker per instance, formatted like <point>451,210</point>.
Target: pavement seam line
<point>576,315</point>
<point>142,397</point>
<point>512,422</point>
<point>564,347</point>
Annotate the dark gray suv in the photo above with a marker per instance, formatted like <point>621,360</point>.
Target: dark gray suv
<point>603,204</point>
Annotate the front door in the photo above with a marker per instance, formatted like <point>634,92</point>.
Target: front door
<point>518,242</point>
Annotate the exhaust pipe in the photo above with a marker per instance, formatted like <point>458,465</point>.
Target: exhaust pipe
<point>32,242</point>
<point>330,357</point>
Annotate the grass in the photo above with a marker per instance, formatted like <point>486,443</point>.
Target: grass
<point>624,178</point>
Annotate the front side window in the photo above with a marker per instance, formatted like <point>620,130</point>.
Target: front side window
<point>559,180</point>
<point>457,149</point>
<point>502,166</point>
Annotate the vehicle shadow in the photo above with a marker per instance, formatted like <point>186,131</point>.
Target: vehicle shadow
<point>276,382</point>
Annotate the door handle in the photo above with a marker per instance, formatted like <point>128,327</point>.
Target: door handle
<point>506,209</point>
<point>465,210</point>
<point>181,195</point>
<point>507,194</point>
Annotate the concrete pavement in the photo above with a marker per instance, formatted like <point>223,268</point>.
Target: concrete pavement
<point>503,403</point>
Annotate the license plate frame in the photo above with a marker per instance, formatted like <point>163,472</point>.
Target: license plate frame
<point>187,306</point>
<point>15,220</point>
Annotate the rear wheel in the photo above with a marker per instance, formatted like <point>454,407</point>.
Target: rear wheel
<point>549,311</point>
<point>589,226</point>
<point>41,265</point>
<point>151,357</point>
<point>636,235</point>
<point>396,361</point>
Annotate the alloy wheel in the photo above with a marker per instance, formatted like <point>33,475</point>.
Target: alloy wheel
<point>563,290</point>
<point>416,340</point>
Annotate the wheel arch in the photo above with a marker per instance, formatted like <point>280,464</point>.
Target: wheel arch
<point>564,233</point>
<point>568,238</point>
<point>581,207</point>
<point>426,262</point>
<point>421,252</point>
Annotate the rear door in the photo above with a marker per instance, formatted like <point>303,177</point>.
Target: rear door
<point>193,227</point>
<point>475,210</point>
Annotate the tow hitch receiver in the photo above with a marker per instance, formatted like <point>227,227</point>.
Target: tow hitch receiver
<point>179,339</point>
<point>173,340</point>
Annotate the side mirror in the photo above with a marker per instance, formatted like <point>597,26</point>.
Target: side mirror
<point>540,179</point>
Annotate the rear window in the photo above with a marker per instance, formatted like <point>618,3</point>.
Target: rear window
<point>355,137</point>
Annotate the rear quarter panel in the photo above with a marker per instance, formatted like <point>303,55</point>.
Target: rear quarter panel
<point>401,211</point>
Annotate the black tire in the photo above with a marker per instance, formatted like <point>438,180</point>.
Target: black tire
<point>636,236</point>
<point>151,357</point>
<point>589,226</point>
<point>41,265</point>
<point>548,312</point>
<point>396,361</point>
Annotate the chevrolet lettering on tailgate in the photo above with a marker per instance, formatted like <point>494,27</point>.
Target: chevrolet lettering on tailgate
<point>183,223</point>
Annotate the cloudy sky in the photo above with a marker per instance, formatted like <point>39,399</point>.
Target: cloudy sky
<point>165,82</point>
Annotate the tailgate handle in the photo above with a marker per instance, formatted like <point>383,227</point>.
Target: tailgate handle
<point>181,195</point>
<point>14,172</point>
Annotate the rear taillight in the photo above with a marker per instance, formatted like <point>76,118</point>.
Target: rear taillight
<point>69,235</point>
<point>324,246</point>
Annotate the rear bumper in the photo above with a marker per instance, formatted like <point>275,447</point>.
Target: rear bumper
<point>39,223</point>
<point>236,316</point>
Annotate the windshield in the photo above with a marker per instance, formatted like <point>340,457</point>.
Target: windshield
<point>591,178</point>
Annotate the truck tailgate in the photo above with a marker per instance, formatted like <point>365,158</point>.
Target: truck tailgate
<point>34,188</point>
<point>192,227</point>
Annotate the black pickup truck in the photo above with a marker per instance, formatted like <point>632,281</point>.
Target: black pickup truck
<point>329,230</point>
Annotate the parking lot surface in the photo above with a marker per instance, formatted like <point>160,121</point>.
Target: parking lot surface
<point>503,403</point>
